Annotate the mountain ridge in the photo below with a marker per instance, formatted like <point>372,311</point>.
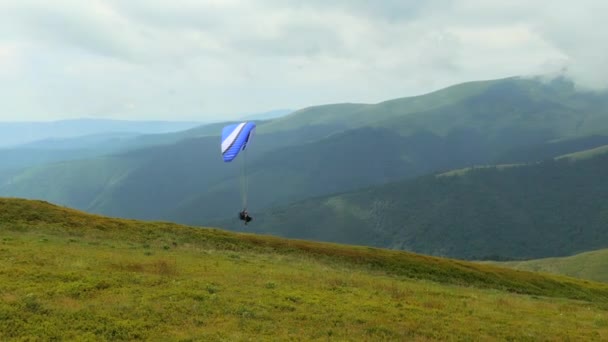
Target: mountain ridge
<point>320,150</point>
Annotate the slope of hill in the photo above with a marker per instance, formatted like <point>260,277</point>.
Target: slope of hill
<point>551,208</point>
<point>589,265</point>
<point>351,115</point>
<point>68,275</point>
<point>322,150</point>
<point>551,149</point>
<point>586,154</point>
<point>527,107</point>
<point>73,182</point>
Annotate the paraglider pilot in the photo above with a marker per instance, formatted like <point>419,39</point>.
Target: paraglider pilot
<point>244,216</point>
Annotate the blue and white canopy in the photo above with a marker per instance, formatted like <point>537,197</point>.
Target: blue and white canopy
<point>235,138</point>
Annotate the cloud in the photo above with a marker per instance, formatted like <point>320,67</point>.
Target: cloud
<point>580,33</point>
<point>558,35</point>
<point>8,58</point>
<point>91,26</point>
<point>211,59</point>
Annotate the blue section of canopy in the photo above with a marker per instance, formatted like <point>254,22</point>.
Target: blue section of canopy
<point>235,138</point>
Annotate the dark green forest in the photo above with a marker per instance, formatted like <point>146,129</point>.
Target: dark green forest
<point>551,208</point>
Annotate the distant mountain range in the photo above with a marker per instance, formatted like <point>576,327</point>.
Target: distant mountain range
<point>88,138</point>
<point>327,150</point>
<point>16,133</point>
<point>61,133</point>
<point>52,150</point>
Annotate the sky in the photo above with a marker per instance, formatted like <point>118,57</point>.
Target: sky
<point>218,59</point>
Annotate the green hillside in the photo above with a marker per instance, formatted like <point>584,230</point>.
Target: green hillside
<point>589,265</point>
<point>551,149</point>
<point>66,275</point>
<point>360,115</point>
<point>328,149</point>
<point>552,208</point>
<point>523,106</point>
<point>72,182</point>
<point>517,108</point>
<point>587,154</point>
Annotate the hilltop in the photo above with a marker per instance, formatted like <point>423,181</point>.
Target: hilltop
<point>69,275</point>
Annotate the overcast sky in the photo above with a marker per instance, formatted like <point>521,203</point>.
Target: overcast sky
<point>214,59</point>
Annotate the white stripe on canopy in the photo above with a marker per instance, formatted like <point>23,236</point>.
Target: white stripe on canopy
<point>232,137</point>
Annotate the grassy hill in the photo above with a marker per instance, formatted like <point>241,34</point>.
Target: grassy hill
<point>551,208</point>
<point>589,265</point>
<point>69,275</point>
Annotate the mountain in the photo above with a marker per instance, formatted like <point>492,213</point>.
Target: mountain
<point>551,149</point>
<point>326,149</point>
<point>66,275</point>
<point>405,138</point>
<point>273,114</point>
<point>93,141</point>
<point>145,183</point>
<point>17,133</point>
<point>550,208</point>
<point>591,265</point>
<point>498,108</point>
<point>54,150</point>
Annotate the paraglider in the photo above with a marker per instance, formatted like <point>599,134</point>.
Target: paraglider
<point>235,139</point>
<point>244,216</point>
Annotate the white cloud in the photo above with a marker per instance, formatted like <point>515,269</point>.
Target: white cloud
<point>8,58</point>
<point>580,32</point>
<point>207,59</point>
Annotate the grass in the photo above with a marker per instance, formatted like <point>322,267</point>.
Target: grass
<point>466,170</point>
<point>576,156</point>
<point>586,154</point>
<point>66,275</point>
<point>590,265</point>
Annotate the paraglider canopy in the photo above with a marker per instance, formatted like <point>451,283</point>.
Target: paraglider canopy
<point>235,139</point>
